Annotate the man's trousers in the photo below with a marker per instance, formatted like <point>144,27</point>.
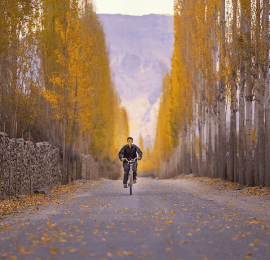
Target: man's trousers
<point>126,167</point>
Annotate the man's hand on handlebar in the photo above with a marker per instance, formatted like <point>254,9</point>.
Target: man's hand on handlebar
<point>125,159</point>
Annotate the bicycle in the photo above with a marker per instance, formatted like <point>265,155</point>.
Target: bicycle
<point>130,173</point>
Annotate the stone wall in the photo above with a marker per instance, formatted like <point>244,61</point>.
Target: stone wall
<point>26,167</point>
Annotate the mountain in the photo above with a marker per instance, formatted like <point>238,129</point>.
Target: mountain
<point>140,50</point>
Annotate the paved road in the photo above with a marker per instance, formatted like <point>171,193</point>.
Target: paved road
<point>170,219</point>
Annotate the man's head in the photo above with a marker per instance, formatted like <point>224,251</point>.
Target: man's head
<point>129,141</point>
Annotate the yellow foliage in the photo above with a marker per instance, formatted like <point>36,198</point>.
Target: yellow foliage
<point>192,61</point>
<point>78,79</point>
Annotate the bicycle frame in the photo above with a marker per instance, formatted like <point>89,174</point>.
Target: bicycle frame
<point>130,174</point>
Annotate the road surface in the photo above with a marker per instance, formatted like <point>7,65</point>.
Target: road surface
<point>163,219</point>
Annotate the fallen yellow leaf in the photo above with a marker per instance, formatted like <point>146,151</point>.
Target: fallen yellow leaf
<point>21,248</point>
<point>248,256</point>
<point>53,250</point>
<point>149,254</point>
<point>119,253</point>
<point>128,253</point>
<point>183,242</point>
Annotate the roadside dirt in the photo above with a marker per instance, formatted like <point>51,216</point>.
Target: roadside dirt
<point>254,200</point>
<point>35,202</point>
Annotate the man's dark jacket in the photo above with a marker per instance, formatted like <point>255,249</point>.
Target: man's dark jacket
<point>130,152</point>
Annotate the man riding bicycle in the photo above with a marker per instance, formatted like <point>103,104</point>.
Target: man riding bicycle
<point>129,151</point>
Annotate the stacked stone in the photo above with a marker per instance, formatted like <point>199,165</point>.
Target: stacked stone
<point>46,165</point>
<point>26,167</point>
<point>8,165</point>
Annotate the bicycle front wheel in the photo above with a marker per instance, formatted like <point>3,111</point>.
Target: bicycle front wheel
<point>130,189</point>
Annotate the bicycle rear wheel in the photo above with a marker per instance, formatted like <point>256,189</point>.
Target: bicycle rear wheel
<point>130,181</point>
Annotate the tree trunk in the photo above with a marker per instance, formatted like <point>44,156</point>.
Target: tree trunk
<point>200,144</point>
<point>222,114</point>
<point>222,136</point>
<point>235,161</point>
<point>261,134</point>
<point>210,151</point>
<point>241,124</point>
<point>249,171</point>
<point>194,156</point>
<point>258,98</point>
<point>188,157</point>
<point>243,29</point>
<point>203,138</point>
<point>215,158</point>
<point>232,138</point>
<point>232,176</point>
<point>207,165</point>
<point>65,98</point>
<point>214,105</point>
<point>249,146</point>
<point>72,143</point>
<point>266,78</point>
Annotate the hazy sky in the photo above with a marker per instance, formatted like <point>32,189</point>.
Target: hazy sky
<point>134,7</point>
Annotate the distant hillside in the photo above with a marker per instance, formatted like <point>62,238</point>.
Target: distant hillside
<point>140,51</point>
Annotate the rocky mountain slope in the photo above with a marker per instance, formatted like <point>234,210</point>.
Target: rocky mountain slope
<point>140,50</point>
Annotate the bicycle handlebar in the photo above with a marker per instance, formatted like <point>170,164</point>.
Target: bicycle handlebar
<point>132,160</point>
